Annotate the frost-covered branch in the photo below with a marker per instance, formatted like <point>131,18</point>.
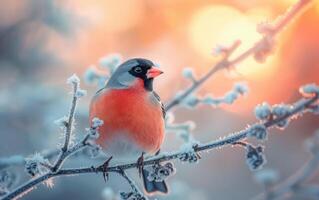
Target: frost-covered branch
<point>260,50</point>
<point>67,123</point>
<point>38,165</point>
<point>18,160</point>
<point>190,152</point>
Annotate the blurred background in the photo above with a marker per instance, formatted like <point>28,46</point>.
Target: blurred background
<point>42,42</point>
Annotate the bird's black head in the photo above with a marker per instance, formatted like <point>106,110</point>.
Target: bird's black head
<point>137,68</point>
<point>145,70</point>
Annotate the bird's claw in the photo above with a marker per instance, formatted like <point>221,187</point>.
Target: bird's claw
<point>104,168</point>
<point>140,164</point>
<point>158,152</point>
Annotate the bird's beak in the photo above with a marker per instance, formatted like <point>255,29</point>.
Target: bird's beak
<point>153,72</point>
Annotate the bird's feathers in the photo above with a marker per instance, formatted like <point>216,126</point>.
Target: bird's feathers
<point>162,105</point>
<point>129,113</point>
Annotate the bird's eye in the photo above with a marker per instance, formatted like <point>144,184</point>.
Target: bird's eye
<point>138,69</point>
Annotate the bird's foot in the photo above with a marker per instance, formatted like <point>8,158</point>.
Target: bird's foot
<point>158,152</point>
<point>104,168</point>
<point>140,164</point>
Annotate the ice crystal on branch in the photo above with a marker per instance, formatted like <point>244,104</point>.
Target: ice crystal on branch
<point>35,165</point>
<point>93,131</point>
<point>280,110</point>
<point>263,111</point>
<point>62,122</point>
<point>80,93</point>
<point>188,73</point>
<point>7,180</point>
<point>258,131</point>
<point>183,130</point>
<point>74,79</point>
<point>192,100</point>
<point>90,74</point>
<point>309,90</point>
<point>93,150</point>
<point>3,190</point>
<point>111,62</point>
<point>101,73</point>
<point>188,153</point>
<point>159,172</point>
<point>241,88</point>
<point>132,196</point>
<point>255,157</point>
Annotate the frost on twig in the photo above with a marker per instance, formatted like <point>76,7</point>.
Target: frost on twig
<point>183,130</point>
<point>7,180</point>
<point>296,184</point>
<point>255,157</point>
<point>230,97</point>
<point>258,131</point>
<point>36,165</point>
<point>106,66</point>
<point>67,122</point>
<point>188,152</point>
<point>159,172</point>
<point>135,193</point>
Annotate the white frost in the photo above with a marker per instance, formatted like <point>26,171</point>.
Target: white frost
<point>74,79</point>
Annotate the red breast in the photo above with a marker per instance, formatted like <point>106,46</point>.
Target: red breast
<point>131,112</point>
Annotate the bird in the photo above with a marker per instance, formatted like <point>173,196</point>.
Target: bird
<point>133,116</point>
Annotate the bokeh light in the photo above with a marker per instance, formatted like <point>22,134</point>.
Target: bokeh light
<point>222,25</point>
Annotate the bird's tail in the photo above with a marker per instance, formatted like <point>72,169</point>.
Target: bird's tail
<point>153,186</point>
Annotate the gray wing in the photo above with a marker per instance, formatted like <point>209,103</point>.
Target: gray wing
<point>162,105</point>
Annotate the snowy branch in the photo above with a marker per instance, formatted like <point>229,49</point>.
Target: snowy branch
<point>191,152</point>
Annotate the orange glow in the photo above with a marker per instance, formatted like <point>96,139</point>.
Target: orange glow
<point>180,35</point>
<point>116,15</point>
<point>222,25</point>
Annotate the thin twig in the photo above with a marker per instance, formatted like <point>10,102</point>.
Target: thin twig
<point>293,182</point>
<point>68,130</point>
<point>18,160</point>
<point>131,183</point>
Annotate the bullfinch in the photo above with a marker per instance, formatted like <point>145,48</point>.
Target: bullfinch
<point>133,115</point>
